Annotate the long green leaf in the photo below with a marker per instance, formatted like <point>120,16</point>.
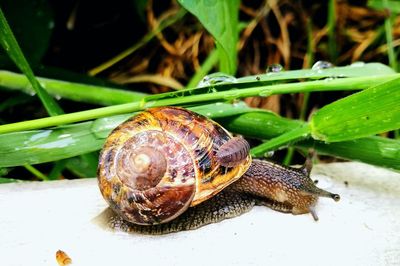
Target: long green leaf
<point>220,18</point>
<point>151,101</point>
<point>62,142</point>
<point>71,90</point>
<point>392,5</point>
<point>295,135</point>
<point>110,96</point>
<point>4,180</point>
<point>379,151</point>
<point>372,111</point>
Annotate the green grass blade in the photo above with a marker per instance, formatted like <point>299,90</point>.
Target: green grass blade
<point>379,151</point>
<point>331,24</point>
<point>371,72</point>
<point>4,180</point>
<point>109,96</point>
<point>38,146</point>
<point>57,169</point>
<point>259,125</point>
<point>70,90</point>
<point>36,172</point>
<point>372,111</point>
<point>174,99</point>
<point>11,46</point>
<point>285,139</point>
<point>358,69</point>
<point>389,38</point>
<point>225,32</point>
<point>392,5</point>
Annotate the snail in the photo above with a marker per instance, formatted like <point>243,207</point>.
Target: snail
<point>168,169</point>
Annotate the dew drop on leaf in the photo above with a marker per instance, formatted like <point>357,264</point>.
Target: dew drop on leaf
<point>322,65</point>
<point>357,64</point>
<point>216,78</point>
<point>265,93</point>
<point>269,154</point>
<point>274,68</point>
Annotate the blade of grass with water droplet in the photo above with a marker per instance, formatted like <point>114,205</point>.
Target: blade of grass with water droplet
<point>372,111</point>
<point>177,99</point>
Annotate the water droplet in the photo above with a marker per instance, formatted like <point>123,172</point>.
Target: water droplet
<point>265,93</point>
<point>212,90</point>
<point>328,79</point>
<point>40,135</point>
<point>149,104</point>
<point>388,150</point>
<point>231,95</point>
<point>216,78</point>
<point>58,97</point>
<point>102,127</point>
<point>64,136</point>
<point>269,154</point>
<point>357,64</point>
<point>274,68</point>
<point>32,93</point>
<point>61,143</point>
<point>51,25</point>
<point>321,65</point>
<point>6,46</point>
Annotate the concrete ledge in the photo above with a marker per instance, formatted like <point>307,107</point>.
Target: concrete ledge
<point>362,229</point>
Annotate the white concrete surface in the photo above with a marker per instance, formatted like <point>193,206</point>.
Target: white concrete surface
<point>362,229</point>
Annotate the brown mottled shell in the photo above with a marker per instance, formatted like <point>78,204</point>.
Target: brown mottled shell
<point>183,146</point>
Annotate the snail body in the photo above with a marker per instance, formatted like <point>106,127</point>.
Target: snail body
<point>164,160</point>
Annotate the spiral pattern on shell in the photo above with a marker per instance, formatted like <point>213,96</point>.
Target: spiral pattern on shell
<point>160,162</point>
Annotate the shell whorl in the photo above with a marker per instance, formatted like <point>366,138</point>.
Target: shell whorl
<point>141,168</point>
<point>146,174</point>
<point>161,161</point>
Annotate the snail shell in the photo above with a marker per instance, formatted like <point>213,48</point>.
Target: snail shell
<point>162,161</point>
